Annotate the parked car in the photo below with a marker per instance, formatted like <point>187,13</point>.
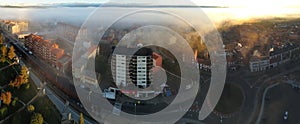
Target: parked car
<point>286,115</point>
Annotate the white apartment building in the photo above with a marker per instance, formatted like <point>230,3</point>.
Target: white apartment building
<point>259,64</point>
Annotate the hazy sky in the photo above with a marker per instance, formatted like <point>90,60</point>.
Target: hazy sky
<point>36,2</point>
<point>243,3</point>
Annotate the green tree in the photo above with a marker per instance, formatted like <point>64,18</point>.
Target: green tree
<point>30,108</point>
<point>3,111</point>
<point>27,86</point>
<point>81,119</point>
<point>14,102</point>
<point>11,53</point>
<point>37,118</point>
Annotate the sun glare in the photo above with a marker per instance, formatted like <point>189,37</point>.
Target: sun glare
<point>242,9</point>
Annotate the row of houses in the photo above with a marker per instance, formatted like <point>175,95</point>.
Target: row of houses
<point>277,56</point>
<point>48,51</point>
<point>70,32</point>
<point>83,69</point>
<point>232,61</point>
<point>14,27</point>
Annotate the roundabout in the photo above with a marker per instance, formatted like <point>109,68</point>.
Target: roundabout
<point>231,100</point>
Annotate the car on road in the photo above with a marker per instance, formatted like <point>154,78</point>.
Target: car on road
<point>286,115</point>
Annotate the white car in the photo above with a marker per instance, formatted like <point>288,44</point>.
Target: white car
<point>286,115</point>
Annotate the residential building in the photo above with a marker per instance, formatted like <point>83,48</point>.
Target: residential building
<point>283,54</point>
<point>63,64</point>
<point>44,49</point>
<point>83,69</point>
<point>133,68</point>
<point>70,32</point>
<point>14,27</point>
<point>277,56</point>
<point>259,64</point>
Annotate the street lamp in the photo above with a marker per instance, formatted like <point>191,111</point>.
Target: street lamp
<point>135,110</point>
<point>90,95</point>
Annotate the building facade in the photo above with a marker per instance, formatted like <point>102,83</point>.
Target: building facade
<point>70,32</point>
<point>134,68</point>
<point>44,49</point>
<point>259,64</point>
<point>14,27</point>
<point>277,56</point>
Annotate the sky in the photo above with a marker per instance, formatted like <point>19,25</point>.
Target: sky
<point>37,2</point>
<point>239,3</point>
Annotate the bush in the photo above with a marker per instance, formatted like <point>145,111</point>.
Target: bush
<point>14,102</point>
<point>27,86</point>
<point>37,118</point>
<point>3,111</point>
<point>30,108</point>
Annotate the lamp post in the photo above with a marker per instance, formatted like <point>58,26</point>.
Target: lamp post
<point>135,111</point>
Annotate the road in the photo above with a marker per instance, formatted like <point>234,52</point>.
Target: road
<point>266,83</point>
<point>263,102</point>
<point>264,98</point>
<point>59,103</point>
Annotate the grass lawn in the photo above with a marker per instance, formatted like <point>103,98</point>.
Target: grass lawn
<point>8,74</point>
<point>11,109</point>
<point>231,99</point>
<point>24,94</point>
<point>47,109</point>
<point>42,105</point>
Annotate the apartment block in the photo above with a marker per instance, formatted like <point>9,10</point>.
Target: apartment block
<point>44,49</point>
<point>14,27</point>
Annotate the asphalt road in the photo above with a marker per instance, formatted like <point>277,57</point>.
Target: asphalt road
<point>59,103</point>
<point>279,102</point>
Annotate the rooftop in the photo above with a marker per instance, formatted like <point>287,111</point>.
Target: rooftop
<point>133,51</point>
<point>64,59</point>
<point>278,50</point>
<point>57,51</point>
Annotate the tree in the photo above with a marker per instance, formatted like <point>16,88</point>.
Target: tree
<point>3,111</point>
<point>11,53</point>
<point>3,54</point>
<point>6,97</point>
<point>17,82</point>
<point>2,59</point>
<point>24,75</point>
<point>14,102</point>
<point>21,79</point>
<point>37,118</point>
<point>81,119</point>
<point>4,51</point>
<point>30,108</point>
<point>27,86</point>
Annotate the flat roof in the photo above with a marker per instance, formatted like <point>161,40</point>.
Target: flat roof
<point>133,51</point>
